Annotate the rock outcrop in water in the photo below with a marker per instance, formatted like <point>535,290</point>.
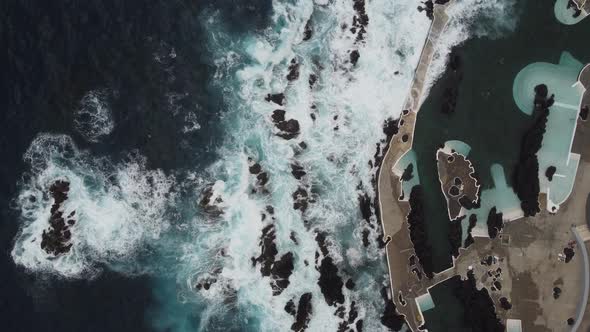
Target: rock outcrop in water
<point>456,235</point>
<point>56,239</point>
<point>549,172</point>
<point>288,128</point>
<point>495,223</point>
<point>211,201</point>
<point>277,98</point>
<point>418,235</point>
<point>480,313</point>
<point>293,70</point>
<point>303,315</point>
<point>279,271</point>
<point>330,282</point>
<point>308,31</point>
<point>472,222</point>
<point>390,318</point>
<point>360,20</point>
<point>526,179</point>
<point>261,176</point>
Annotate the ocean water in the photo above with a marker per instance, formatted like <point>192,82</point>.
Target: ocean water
<point>142,108</point>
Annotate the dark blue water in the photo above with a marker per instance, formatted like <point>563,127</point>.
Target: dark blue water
<point>53,53</point>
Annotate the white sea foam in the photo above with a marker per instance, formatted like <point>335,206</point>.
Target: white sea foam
<point>362,98</point>
<point>118,207</point>
<point>93,119</point>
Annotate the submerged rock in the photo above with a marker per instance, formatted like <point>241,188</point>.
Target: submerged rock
<point>549,172</point>
<point>330,282</point>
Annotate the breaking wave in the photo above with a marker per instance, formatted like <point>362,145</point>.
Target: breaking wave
<point>93,119</point>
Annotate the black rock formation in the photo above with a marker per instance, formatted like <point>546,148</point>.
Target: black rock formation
<point>300,199</point>
<point>55,240</point>
<point>390,318</point>
<point>526,180</point>
<point>584,112</point>
<point>303,313</point>
<point>365,207</point>
<point>313,78</point>
<point>418,235</point>
<point>280,272</point>
<point>453,80</point>
<point>277,98</point>
<point>577,11</point>
<point>278,116</point>
<point>455,236</point>
<point>289,129</point>
<point>428,7</point>
<point>480,313</point>
<point>268,250</point>
<point>349,284</point>
<point>290,308</point>
<point>495,223</point>
<point>330,282</point>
